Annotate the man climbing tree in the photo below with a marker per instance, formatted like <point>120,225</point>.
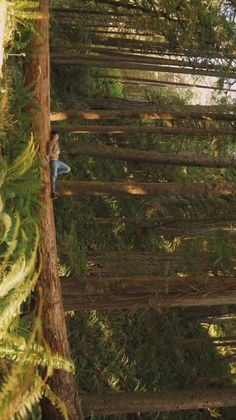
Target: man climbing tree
<point>57,166</point>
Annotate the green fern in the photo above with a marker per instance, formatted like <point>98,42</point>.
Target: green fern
<point>11,242</point>
<point>10,306</point>
<point>5,226</point>
<point>23,162</point>
<point>35,356</point>
<point>3,170</point>
<point>22,390</point>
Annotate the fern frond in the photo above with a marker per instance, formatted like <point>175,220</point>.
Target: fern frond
<point>35,356</point>
<point>18,272</point>
<point>10,306</point>
<point>5,226</point>
<point>11,241</point>
<point>1,204</point>
<point>3,170</point>
<point>20,393</point>
<point>23,162</point>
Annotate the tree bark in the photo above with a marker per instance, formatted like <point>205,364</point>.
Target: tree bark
<point>117,153</point>
<point>184,189</point>
<point>104,103</point>
<point>204,313</point>
<point>121,264</point>
<point>103,293</point>
<point>163,221</point>
<point>110,63</point>
<point>81,11</point>
<point>144,114</point>
<point>53,318</point>
<point>155,47</point>
<point>140,129</point>
<point>207,341</point>
<point>134,402</point>
<point>138,10</point>
<point>138,58</point>
<point>159,83</point>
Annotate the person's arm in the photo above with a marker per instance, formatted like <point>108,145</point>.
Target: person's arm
<point>52,152</point>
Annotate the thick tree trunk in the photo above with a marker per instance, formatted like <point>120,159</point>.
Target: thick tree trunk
<point>53,318</point>
<point>155,47</point>
<point>134,7</point>
<point>207,341</point>
<point>204,313</point>
<point>103,103</point>
<point>134,402</point>
<point>119,64</point>
<point>183,231</point>
<point>140,129</point>
<point>118,264</point>
<point>184,189</point>
<point>159,83</point>
<point>164,221</point>
<point>137,9</point>
<point>63,11</point>
<point>102,293</point>
<point>138,58</point>
<point>160,48</point>
<point>144,114</point>
<point>188,159</point>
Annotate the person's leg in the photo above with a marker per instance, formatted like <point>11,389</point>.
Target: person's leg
<point>54,173</point>
<point>62,168</point>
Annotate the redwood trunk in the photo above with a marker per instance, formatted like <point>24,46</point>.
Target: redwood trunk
<point>165,220</point>
<point>185,189</point>
<point>53,318</point>
<point>191,159</point>
<point>144,402</point>
<point>159,83</point>
<point>140,129</point>
<point>144,114</point>
<point>103,293</point>
<point>110,63</point>
<point>155,47</point>
<point>138,58</point>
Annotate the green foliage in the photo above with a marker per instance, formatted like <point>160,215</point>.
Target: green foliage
<point>26,360</point>
<point>139,349</point>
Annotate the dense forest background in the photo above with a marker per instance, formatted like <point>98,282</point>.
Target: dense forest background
<point>147,279</point>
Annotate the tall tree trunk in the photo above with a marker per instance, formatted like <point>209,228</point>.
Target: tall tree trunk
<point>118,32</point>
<point>184,231</point>
<point>138,129</point>
<point>203,313</point>
<point>104,293</point>
<point>67,11</point>
<point>159,83</point>
<point>103,103</point>
<point>119,64</point>
<point>120,264</point>
<point>188,159</point>
<point>136,8</point>
<point>155,47</point>
<point>134,402</point>
<point>163,221</point>
<point>229,342</point>
<point>53,318</point>
<point>144,114</point>
<point>119,57</point>
<point>130,6</point>
<point>185,189</point>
